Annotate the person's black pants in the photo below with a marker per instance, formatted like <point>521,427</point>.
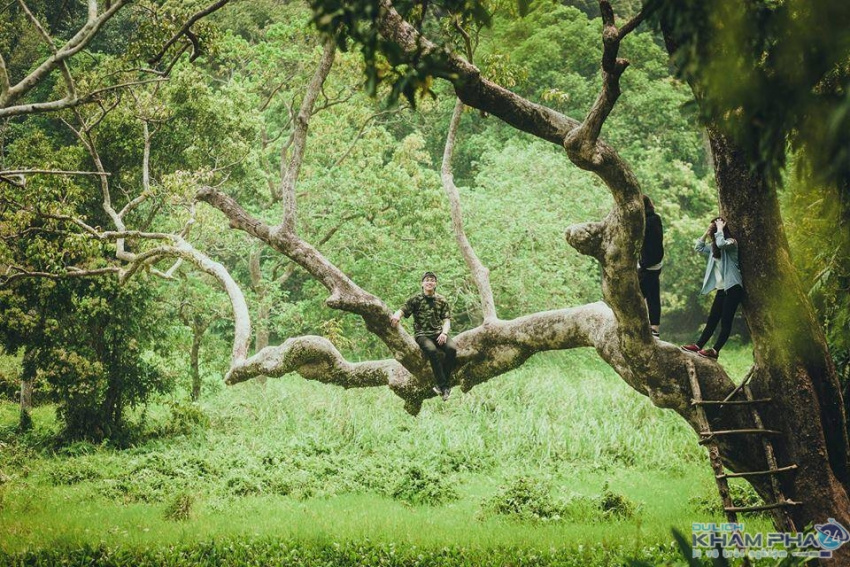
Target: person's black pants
<point>650,287</point>
<point>723,311</point>
<point>442,368</point>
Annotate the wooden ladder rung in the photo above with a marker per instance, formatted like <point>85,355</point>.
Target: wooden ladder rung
<point>762,507</point>
<point>758,473</point>
<point>709,435</point>
<point>730,403</point>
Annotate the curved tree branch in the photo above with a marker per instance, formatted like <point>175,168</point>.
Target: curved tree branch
<point>299,136</point>
<point>480,273</point>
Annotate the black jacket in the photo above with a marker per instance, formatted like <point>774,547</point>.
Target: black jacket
<point>652,250</point>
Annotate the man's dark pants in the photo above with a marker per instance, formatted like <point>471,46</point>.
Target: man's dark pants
<point>442,368</point>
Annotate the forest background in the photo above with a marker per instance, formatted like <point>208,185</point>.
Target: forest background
<point>116,364</point>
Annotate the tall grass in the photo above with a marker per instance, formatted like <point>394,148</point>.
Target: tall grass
<point>302,461</point>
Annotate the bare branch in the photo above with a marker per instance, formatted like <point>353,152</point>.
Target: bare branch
<point>480,273</point>
<point>62,54</point>
<point>299,137</point>
<point>146,159</point>
<point>50,172</point>
<point>68,102</point>
<point>630,26</point>
<point>362,130</point>
<point>186,29</point>
<point>21,273</point>
<point>612,69</point>
<point>131,205</point>
<point>275,90</point>
<point>169,274</point>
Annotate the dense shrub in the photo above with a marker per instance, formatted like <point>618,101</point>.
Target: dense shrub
<point>525,498</point>
<point>180,507</point>
<point>615,505</point>
<point>184,418</point>
<point>94,343</point>
<point>72,471</point>
<point>419,485</point>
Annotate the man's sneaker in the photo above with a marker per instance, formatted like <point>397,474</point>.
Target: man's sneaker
<point>655,333</point>
<point>708,353</point>
<point>437,390</point>
<point>690,348</point>
<point>446,393</point>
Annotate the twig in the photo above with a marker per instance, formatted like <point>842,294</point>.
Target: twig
<point>185,29</point>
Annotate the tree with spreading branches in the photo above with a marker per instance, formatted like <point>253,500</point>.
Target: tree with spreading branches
<point>797,374</point>
<point>792,364</point>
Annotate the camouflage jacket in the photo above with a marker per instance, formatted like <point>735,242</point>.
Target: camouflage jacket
<point>428,314</point>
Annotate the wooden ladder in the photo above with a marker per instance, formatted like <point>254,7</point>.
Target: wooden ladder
<point>708,437</point>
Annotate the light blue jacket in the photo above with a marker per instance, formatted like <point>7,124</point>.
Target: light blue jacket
<point>728,262</point>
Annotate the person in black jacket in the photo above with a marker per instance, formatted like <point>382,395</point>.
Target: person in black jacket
<point>431,323</point>
<point>649,266</point>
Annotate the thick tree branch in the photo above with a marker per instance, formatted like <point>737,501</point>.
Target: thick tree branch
<point>67,102</point>
<point>344,293</point>
<point>614,241</point>
<point>475,90</point>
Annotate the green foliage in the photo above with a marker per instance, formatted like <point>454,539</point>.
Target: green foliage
<point>104,362</point>
<point>533,499</point>
<point>180,507</point>
<point>615,505</point>
<point>274,551</point>
<point>296,461</point>
<point>71,471</point>
<point>385,63</point>
<point>741,493</point>
<point>769,73</point>
<point>525,498</point>
<point>419,485</point>
<point>821,255</point>
<point>185,418</point>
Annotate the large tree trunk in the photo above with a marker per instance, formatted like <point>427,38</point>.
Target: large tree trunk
<point>792,362</point>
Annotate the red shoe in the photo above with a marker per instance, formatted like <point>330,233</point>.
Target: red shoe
<point>690,348</point>
<point>708,353</point>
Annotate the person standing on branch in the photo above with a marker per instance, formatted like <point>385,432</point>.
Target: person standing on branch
<point>431,324</point>
<point>649,265</point>
<point>723,275</point>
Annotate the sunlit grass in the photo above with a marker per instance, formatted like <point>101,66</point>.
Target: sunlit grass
<point>566,418</point>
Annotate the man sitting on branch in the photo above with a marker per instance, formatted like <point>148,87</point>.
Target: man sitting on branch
<point>431,324</point>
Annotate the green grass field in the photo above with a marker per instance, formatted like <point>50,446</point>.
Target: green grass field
<point>559,457</point>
